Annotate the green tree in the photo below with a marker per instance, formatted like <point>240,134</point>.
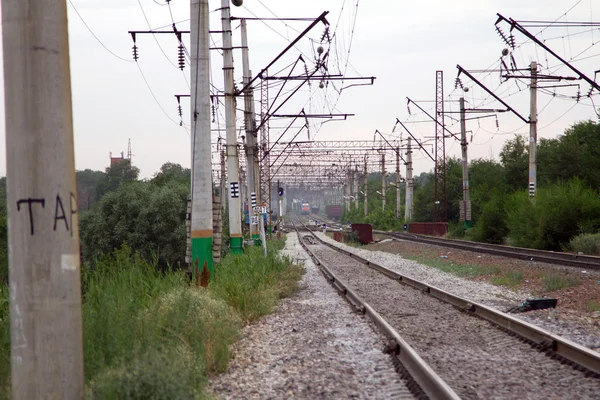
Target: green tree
<point>148,217</point>
<point>87,180</point>
<point>514,158</point>
<point>172,172</point>
<point>485,180</point>
<point>116,174</point>
<point>559,212</point>
<point>576,154</point>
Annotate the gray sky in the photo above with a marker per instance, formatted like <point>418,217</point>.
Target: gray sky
<point>401,43</point>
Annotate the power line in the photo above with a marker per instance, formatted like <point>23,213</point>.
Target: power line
<point>152,93</point>
<point>96,37</point>
<point>154,36</point>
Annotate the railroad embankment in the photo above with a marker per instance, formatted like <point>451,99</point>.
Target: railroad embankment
<point>149,334</point>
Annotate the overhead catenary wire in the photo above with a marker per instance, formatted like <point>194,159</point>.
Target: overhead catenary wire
<point>96,37</point>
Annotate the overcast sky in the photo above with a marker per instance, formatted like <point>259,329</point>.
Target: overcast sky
<point>401,43</point>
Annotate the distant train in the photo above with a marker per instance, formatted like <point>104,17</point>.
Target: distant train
<point>305,209</point>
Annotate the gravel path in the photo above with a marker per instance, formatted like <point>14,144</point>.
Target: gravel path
<point>495,296</point>
<point>474,357</point>
<point>313,347</point>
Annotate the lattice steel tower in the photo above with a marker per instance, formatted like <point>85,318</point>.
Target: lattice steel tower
<point>440,205</point>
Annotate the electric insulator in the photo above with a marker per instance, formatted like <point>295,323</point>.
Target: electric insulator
<point>135,53</point>
<point>213,113</point>
<point>180,111</point>
<point>181,57</point>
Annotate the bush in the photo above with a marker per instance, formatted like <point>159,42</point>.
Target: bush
<point>252,284</point>
<point>148,217</point>
<point>558,213</point>
<point>193,318</point>
<point>587,243</point>
<point>160,374</point>
<point>491,224</point>
<point>116,291</point>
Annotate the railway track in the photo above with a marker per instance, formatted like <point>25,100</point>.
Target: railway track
<point>476,351</point>
<point>570,259</point>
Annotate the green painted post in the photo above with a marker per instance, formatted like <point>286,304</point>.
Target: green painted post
<point>202,257</point>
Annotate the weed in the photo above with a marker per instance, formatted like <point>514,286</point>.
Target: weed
<point>587,243</point>
<point>510,279</point>
<point>593,306</point>
<point>553,281</point>
<point>147,334</point>
<point>252,284</point>
<point>463,270</point>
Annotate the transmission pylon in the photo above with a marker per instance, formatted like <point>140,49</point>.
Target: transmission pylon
<point>440,206</point>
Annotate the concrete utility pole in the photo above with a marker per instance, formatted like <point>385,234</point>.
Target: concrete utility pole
<point>44,270</point>
<point>356,187</point>
<point>465,209</point>
<point>366,189</point>
<point>397,183</point>
<point>235,219</point>
<point>408,207</point>
<point>383,181</point>
<point>251,148</point>
<point>348,189</point>
<point>202,213</point>
<point>533,131</point>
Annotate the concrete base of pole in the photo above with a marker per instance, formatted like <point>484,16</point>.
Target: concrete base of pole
<point>235,244</point>
<point>202,260</point>
<point>256,239</point>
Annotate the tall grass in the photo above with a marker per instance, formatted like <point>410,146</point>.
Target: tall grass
<point>4,343</point>
<point>148,334</point>
<point>252,284</point>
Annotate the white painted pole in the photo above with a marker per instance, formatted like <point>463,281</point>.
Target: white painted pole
<point>408,207</point>
<point>202,213</point>
<point>533,131</point>
<point>251,148</point>
<point>235,219</point>
<point>44,269</point>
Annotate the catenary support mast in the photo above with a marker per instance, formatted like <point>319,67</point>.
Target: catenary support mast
<point>44,270</point>
<point>235,219</point>
<point>251,148</point>
<point>533,131</point>
<point>202,223</point>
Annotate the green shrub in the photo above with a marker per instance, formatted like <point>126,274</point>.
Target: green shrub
<point>557,214</point>
<point>456,230</point>
<point>158,373</point>
<point>491,224</point>
<point>252,283</point>
<point>510,278</point>
<point>193,318</point>
<point>555,281</point>
<point>587,243</point>
<point>116,291</point>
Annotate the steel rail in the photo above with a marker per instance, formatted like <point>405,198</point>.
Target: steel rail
<point>552,343</point>
<point>570,259</point>
<point>428,380</point>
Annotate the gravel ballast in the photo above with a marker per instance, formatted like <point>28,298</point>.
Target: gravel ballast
<point>474,357</point>
<point>498,297</point>
<point>312,346</point>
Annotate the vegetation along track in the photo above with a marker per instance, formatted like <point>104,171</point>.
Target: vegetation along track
<point>473,356</point>
<point>571,259</point>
